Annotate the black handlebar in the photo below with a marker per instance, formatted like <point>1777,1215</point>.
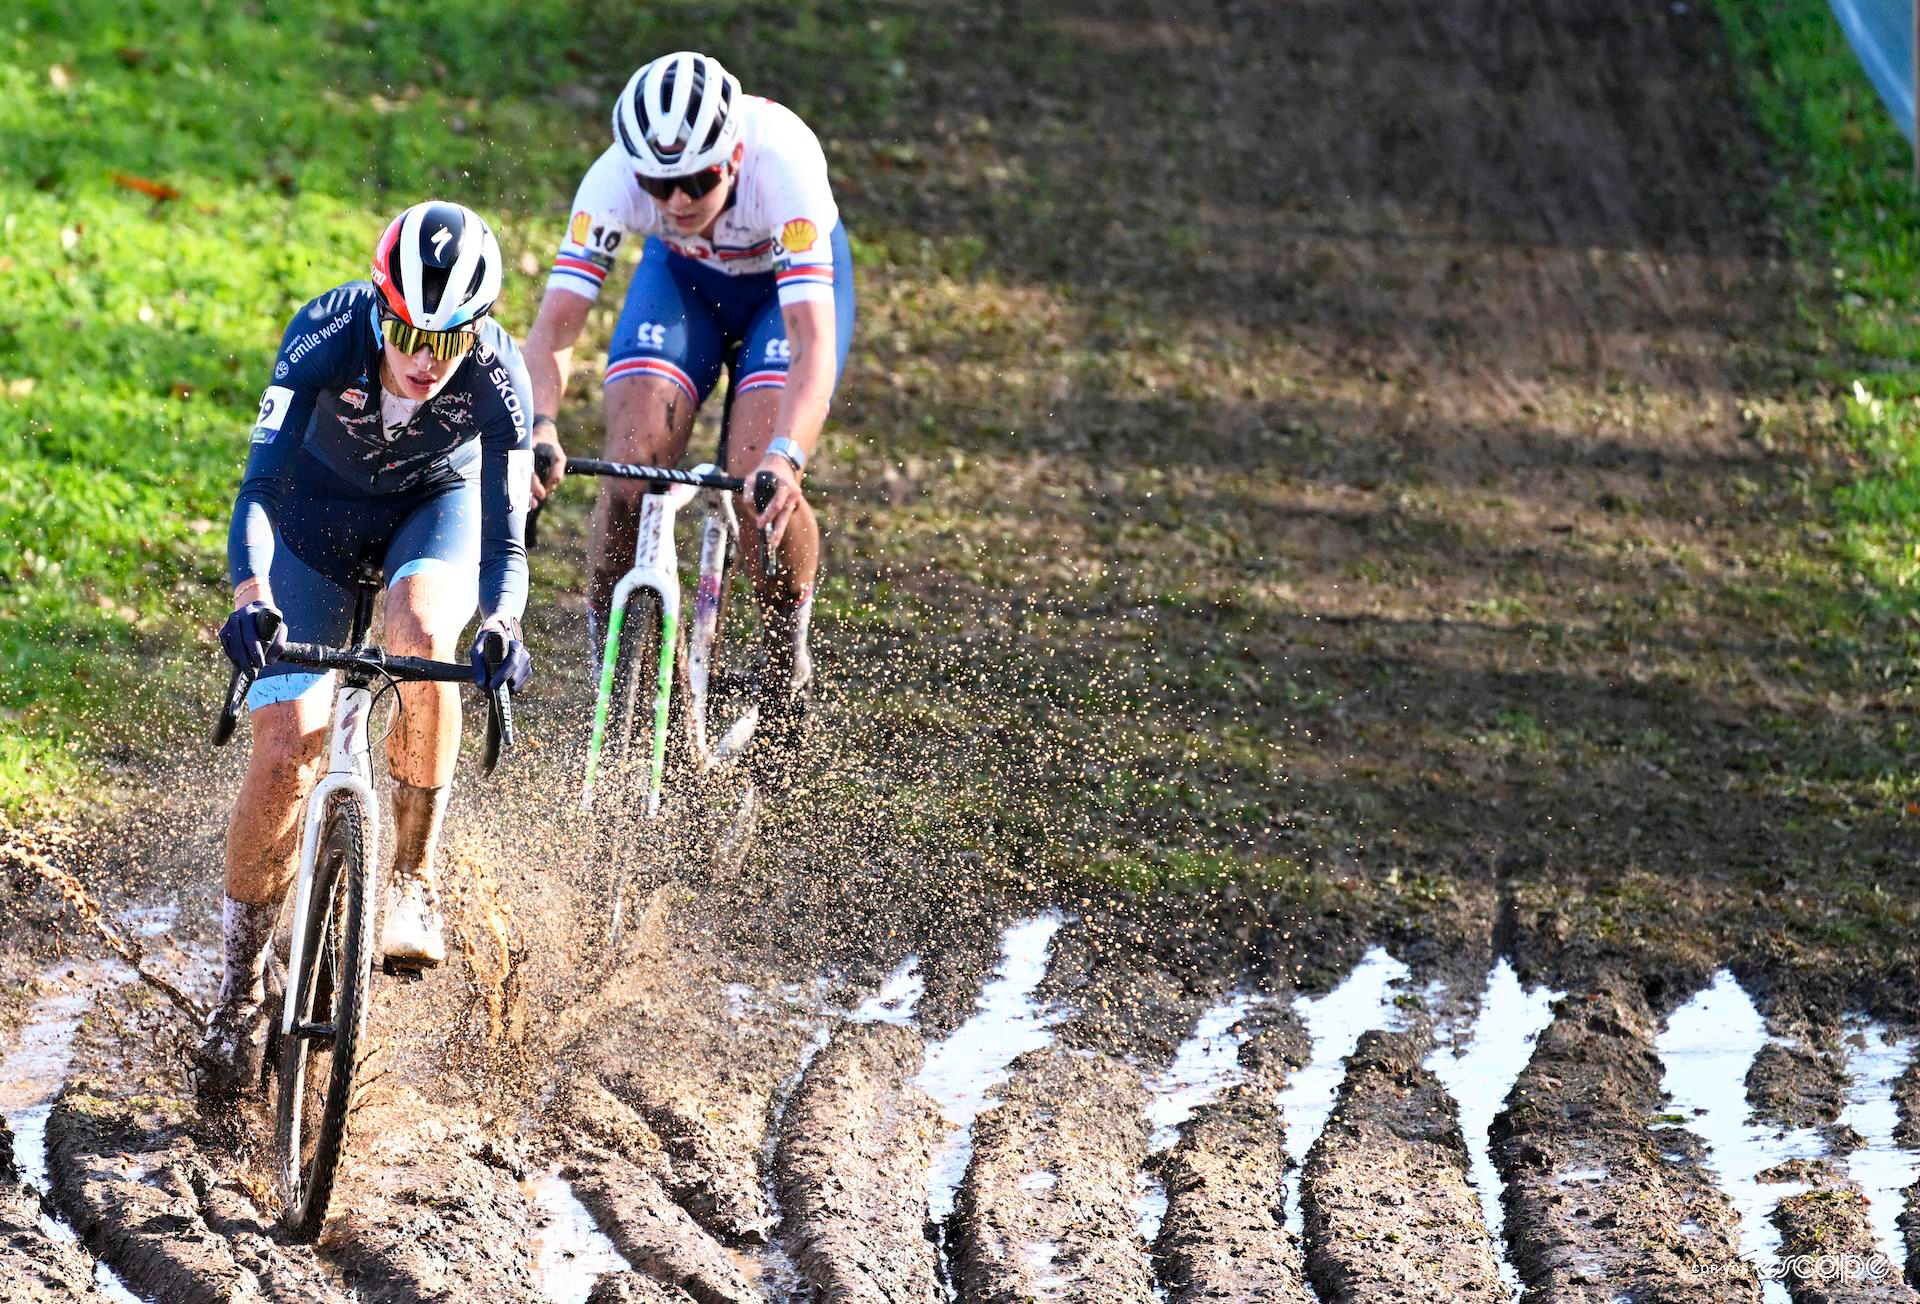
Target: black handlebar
<point>657,474</point>
<point>374,661</point>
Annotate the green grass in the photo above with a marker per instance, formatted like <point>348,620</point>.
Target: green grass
<point>1851,207</point>
<point>135,333</point>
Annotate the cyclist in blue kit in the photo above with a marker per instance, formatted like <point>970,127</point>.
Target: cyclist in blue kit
<point>744,265</point>
<point>394,432</point>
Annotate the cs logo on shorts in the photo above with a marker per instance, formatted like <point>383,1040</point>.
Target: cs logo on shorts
<point>797,236</point>
<point>582,227</point>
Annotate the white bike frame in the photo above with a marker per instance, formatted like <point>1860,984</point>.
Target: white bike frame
<point>656,566</point>
<point>350,767</point>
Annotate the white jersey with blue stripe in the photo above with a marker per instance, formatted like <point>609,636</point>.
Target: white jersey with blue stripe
<point>778,219</point>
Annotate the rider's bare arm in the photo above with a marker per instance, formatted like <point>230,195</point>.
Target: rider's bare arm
<point>549,354</point>
<point>804,402</point>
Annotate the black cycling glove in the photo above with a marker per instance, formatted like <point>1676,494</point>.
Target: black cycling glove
<point>246,646</point>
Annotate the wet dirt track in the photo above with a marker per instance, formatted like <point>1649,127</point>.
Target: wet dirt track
<point>1506,245</point>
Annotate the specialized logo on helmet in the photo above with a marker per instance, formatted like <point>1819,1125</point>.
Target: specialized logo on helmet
<point>797,236</point>
<point>439,241</point>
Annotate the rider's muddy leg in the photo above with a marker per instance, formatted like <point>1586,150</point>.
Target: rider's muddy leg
<point>426,611</point>
<point>263,833</point>
<point>786,601</point>
<point>649,420</point>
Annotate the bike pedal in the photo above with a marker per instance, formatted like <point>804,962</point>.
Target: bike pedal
<point>392,968</point>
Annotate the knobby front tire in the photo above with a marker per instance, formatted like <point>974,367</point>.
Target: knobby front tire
<point>316,1073</point>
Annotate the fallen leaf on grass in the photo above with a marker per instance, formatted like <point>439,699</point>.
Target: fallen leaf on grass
<point>21,388</point>
<point>61,76</point>
<point>157,190</point>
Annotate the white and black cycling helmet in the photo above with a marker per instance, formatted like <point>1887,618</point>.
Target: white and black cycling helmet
<point>678,115</point>
<point>437,267</point>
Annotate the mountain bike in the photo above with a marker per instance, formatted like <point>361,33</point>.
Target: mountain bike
<point>668,699</point>
<point>313,1047</point>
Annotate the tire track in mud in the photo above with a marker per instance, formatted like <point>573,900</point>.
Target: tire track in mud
<point>134,1178</point>
<point>1592,1198</point>
<point>1047,1207</point>
<point>852,1165</point>
<point>1394,1142</point>
<point>38,1263</point>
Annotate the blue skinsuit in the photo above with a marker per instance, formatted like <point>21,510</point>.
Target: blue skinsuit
<point>327,488</point>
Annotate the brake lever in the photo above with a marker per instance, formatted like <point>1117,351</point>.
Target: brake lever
<point>765,485</point>
<point>493,650</point>
<point>229,719</point>
<point>542,464</point>
<point>238,685</point>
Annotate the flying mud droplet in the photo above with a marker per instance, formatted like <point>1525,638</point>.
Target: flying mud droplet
<point>571,1252</point>
<point>1706,1049</point>
<point>1478,1071</point>
<point>1204,1065</point>
<point>962,1071</point>
<point>30,1077</point>
<point>1883,1170</point>
<point>1361,1003</point>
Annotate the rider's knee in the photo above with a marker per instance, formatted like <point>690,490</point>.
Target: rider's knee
<point>426,612</point>
<point>286,748</point>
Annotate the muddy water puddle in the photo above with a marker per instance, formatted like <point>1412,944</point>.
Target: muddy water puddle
<point>31,1076</point>
<point>571,1253</point>
<point>1478,1069</point>
<point>1363,1002</point>
<point>1708,1047</point>
<point>1204,1065</point>
<point>962,1071</point>
<point>1883,1170</point>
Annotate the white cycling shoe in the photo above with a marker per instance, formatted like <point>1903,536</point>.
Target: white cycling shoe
<point>412,934</point>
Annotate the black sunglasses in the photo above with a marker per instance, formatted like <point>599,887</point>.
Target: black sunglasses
<point>695,185</point>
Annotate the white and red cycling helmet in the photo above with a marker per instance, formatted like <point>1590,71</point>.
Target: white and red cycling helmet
<point>437,267</point>
<point>678,115</point>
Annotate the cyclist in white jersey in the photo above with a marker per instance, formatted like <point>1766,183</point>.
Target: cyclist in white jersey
<point>745,265</point>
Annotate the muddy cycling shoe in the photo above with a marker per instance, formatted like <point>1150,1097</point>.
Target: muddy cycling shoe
<point>779,740</point>
<point>412,936</point>
<point>227,1063</point>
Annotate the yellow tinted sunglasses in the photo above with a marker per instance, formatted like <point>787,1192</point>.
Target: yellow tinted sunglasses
<point>442,344</point>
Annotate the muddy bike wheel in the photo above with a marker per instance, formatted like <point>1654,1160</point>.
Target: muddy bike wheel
<point>630,747</point>
<point>317,1059</point>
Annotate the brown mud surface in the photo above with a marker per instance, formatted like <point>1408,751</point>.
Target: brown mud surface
<point>1310,476</point>
<point>1830,1250</point>
<point>1594,1202</point>
<point>1224,1237</point>
<point>1389,1211</point>
<point>1047,1209</point>
<point>852,1166</point>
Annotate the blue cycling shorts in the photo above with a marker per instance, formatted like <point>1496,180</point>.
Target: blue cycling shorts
<point>684,320</point>
<point>322,535</point>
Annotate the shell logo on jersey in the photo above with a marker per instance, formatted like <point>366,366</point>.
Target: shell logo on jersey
<point>797,236</point>
<point>582,227</point>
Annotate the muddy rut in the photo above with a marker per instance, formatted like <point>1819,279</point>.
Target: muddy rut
<point>1499,254</point>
